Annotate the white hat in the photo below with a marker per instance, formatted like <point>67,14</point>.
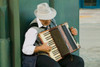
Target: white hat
<point>45,12</point>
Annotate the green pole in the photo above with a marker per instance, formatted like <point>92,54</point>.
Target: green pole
<point>15,32</point>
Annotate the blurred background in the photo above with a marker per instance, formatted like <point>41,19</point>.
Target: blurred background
<point>89,32</point>
<point>15,16</point>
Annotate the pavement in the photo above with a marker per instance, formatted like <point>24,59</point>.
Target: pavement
<point>90,36</point>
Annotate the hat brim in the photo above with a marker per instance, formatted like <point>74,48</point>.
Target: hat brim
<point>48,16</point>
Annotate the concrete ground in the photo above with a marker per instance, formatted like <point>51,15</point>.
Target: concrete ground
<point>90,36</point>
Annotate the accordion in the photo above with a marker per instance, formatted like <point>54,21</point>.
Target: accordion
<point>61,41</point>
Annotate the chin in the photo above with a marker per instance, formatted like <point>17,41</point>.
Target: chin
<point>47,24</point>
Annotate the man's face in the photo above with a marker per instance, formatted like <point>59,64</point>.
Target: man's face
<point>45,22</point>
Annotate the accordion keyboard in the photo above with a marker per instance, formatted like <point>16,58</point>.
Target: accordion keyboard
<point>54,53</point>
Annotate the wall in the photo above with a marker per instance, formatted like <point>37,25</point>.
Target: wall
<point>15,15</point>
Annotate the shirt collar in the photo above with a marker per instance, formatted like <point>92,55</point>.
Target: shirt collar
<point>39,23</point>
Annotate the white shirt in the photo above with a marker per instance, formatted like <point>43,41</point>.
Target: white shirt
<point>30,38</point>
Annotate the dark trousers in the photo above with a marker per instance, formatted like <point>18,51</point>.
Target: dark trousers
<point>68,61</point>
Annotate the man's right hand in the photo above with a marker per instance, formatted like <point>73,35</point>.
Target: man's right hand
<point>44,47</point>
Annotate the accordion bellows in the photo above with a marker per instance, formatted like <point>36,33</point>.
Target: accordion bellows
<point>61,41</point>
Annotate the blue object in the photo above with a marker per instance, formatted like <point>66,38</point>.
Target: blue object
<point>81,3</point>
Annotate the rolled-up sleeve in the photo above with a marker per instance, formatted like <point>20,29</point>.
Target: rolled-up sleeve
<point>30,38</point>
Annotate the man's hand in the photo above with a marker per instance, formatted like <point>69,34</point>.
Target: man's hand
<point>73,31</point>
<point>44,48</point>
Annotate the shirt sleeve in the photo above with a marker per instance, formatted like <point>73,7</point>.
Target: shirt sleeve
<point>30,38</point>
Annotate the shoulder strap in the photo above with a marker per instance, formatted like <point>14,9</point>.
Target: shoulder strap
<point>54,22</point>
<point>33,25</point>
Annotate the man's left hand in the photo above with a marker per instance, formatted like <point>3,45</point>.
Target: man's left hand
<point>73,31</point>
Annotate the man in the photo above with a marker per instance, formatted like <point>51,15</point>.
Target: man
<point>32,56</point>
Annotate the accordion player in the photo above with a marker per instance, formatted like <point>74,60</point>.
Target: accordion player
<point>61,41</point>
